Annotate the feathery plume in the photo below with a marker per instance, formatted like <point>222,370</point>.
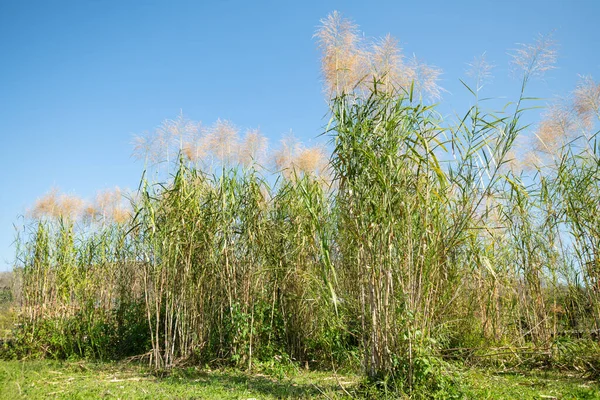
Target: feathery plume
<point>178,130</point>
<point>150,146</point>
<point>293,159</point>
<point>171,136</point>
<point>557,126</point>
<point>535,59</point>
<point>70,207</point>
<point>425,78</point>
<point>586,99</point>
<point>56,205</point>
<point>343,61</point>
<point>46,206</point>
<point>531,161</point>
<point>120,215</point>
<point>481,70</point>
<point>513,163</point>
<point>253,148</point>
<point>284,156</point>
<point>142,145</point>
<point>90,212</point>
<point>312,160</point>
<point>107,199</point>
<point>194,150</point>
<point>109,203</point>
<point>223,140</point>
<point>388,66</point>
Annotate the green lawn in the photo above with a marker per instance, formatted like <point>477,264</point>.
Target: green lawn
<point>529,385</point>
<point>50,379</point>
<point>84,380</point>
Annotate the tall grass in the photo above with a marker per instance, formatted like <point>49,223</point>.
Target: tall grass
<point>419,241</point>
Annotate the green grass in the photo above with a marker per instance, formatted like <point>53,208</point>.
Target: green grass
<point>484,384</point>
<point>83,380</point>
<point>80,380</point>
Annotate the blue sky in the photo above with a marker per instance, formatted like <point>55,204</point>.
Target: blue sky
<point>79,78</point>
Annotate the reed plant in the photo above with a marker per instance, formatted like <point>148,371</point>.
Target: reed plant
<point>417,241</point>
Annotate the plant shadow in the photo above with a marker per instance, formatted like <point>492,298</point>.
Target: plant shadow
<point>258,384</point>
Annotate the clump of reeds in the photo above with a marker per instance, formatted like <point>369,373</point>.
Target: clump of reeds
<point>417,240</point>
<point>78,277</point>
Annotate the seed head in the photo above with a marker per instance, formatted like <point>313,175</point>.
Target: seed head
<point>56,205</point>
<point>120,215</point>
<point>586,99</point>
<point>90,212</point>
<point>387,64</point>
<point>46,206</point>
<point>531,161</point>
<point>556,128</point>
<point>109,204</point>
<point>142,146</point>
<point>312,160</point>
<point>179,130</point>
<point>513,163</point>
<point>284,156</point>
<point>481,70</point>
<point>343,62</point>
<point>223,140</point>
<point>108,199</point>
<point>70,207</point>
<point>536,58</point>
<point>169,137</point>
<point>194,151</point>
<point>425,78</point>
<point>253,148</point>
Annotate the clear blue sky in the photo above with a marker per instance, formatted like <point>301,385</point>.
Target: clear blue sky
<point>79,78</point>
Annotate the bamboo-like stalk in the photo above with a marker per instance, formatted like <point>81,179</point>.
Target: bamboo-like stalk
<point>423,246</point>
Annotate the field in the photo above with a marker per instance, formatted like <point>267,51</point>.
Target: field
<point>82,380</point>
<point>426,256</point>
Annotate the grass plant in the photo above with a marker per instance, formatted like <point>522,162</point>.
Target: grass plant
<point>417,243</point>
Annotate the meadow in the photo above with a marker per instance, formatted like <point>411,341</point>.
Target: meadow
<point>415,256</point>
